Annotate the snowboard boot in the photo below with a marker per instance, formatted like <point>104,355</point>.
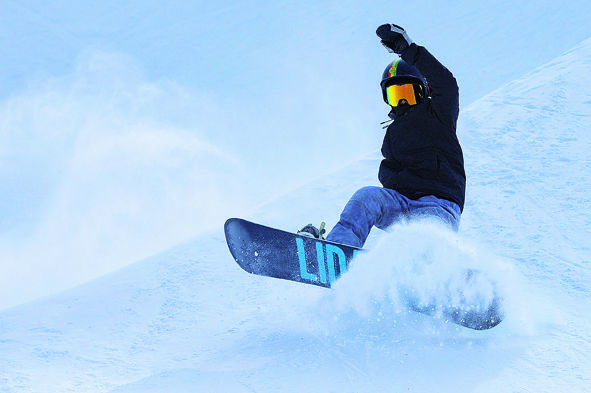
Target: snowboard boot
<point>311,231</point>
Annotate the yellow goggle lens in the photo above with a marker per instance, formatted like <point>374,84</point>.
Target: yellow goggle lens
<point>395,93</point>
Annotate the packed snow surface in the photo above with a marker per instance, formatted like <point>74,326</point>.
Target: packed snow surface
<point>189,319</point>
<point>129,128</point>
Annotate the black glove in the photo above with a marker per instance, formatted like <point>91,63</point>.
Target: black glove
<point>394,38</point>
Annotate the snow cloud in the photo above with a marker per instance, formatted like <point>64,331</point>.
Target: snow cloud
<point>101,168</point>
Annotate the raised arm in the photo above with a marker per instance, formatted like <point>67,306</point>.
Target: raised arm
<point>443,85</point>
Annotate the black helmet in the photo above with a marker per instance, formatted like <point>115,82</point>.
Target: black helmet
<point>400,72</point>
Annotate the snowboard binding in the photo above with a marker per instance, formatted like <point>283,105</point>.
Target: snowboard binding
<point>311,231</point>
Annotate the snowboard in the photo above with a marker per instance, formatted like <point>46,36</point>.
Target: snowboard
<point>271,252</point>
<point>275,253</point>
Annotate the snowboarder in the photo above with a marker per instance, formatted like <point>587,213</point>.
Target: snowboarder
<point>422,172</point>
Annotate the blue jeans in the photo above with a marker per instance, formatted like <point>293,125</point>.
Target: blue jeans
<point>382,207</point>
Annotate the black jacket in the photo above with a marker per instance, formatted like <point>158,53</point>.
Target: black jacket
<point>422,155</point>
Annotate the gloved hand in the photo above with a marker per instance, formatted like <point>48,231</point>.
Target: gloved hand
<point>394,38</point>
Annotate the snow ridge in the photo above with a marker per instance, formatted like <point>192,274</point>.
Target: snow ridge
<point>189,318</point>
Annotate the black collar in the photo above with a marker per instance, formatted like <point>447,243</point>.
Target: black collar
<point>399,111</point>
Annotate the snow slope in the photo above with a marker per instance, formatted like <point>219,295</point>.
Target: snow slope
<point>130,127</point>
<point>189,319</point>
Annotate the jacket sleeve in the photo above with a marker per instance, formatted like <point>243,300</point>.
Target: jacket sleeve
<point>443,85</point>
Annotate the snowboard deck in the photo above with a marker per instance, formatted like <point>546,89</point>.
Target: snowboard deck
<point>271,252</point>
<point>275,253</point>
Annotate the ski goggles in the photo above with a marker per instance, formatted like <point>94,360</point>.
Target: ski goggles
<point>395,93</point>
